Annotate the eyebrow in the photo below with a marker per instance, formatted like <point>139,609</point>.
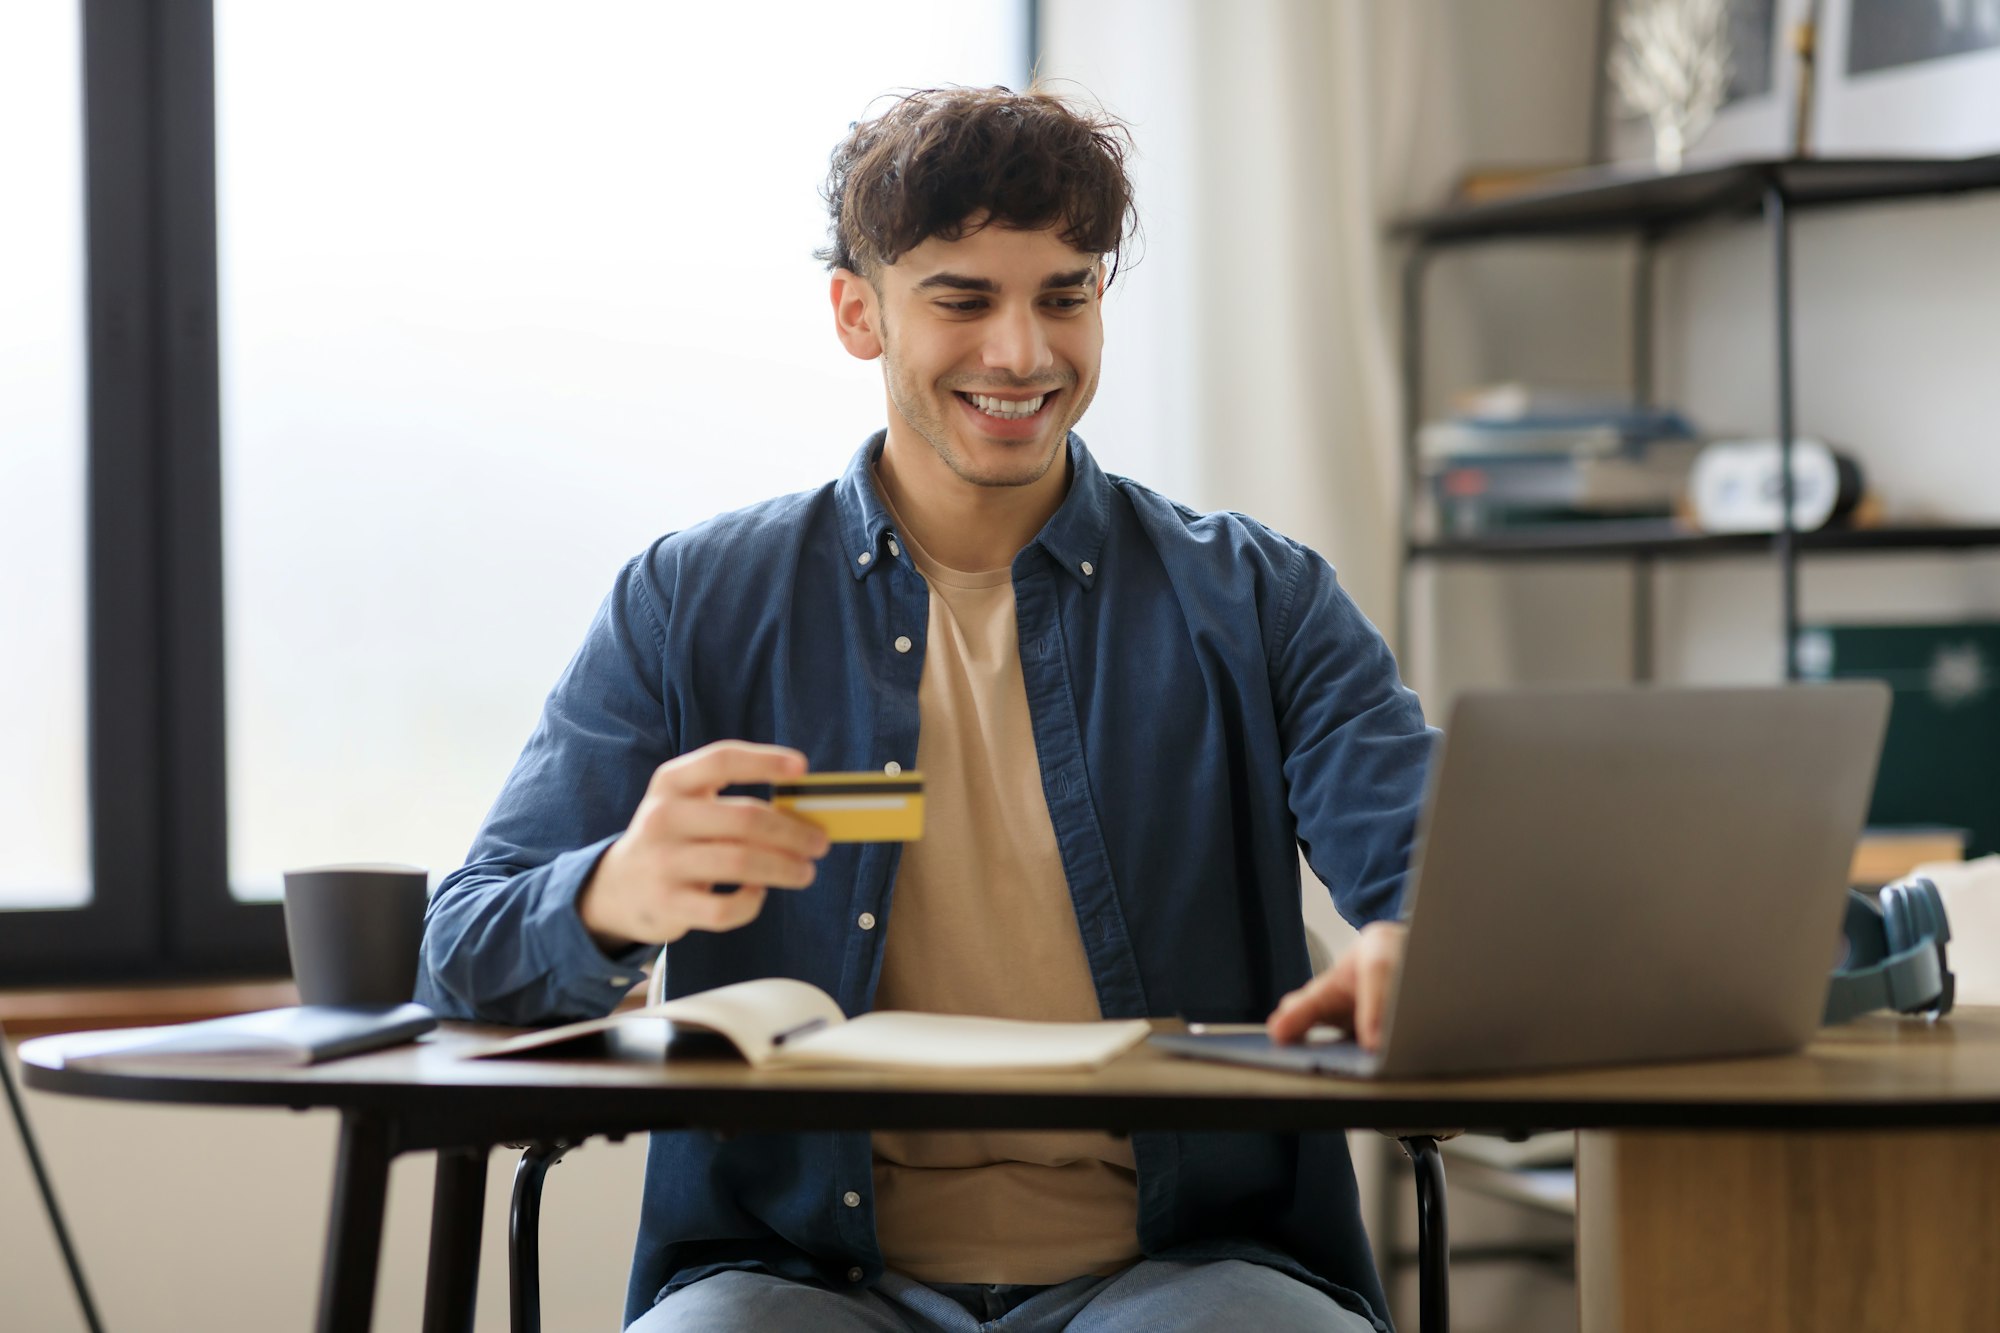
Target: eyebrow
<point>961,282</point>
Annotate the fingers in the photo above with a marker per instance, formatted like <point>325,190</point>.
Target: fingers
<point>746,819</point>
<point>663,913</point>
<point>708,863</point>
<point>703,910</point>
<point>708,770</point>
<point>1353,993</point>
<point>656,883</point>
<point>1327,998</point>
<point>1289,1021</point>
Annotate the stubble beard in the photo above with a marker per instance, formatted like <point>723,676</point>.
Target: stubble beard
<point>927,415</point>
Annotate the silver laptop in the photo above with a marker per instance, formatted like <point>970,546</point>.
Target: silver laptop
<point>1619,875</point>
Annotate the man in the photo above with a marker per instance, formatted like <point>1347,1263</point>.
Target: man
<point>1128,715</point>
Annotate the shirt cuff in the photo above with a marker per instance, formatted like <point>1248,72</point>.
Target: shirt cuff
<point>596,981</point>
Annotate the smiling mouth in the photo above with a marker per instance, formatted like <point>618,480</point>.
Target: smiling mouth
<point>1003,408</point>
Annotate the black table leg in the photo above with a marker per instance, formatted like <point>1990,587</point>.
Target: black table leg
<point>354,1237</point>
<point>457,1212</point>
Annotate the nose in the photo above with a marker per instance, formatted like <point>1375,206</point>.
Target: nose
<point>1017,344</point>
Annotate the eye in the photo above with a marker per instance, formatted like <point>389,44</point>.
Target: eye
<point>966,306</point>
<point>1068,303</point>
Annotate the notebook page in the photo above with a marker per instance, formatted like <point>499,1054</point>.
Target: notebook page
<point>896,1040</point>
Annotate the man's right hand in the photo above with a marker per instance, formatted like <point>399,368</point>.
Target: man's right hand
<point>657,882</point>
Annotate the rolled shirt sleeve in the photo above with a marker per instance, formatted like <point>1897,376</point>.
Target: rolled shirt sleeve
<point>1356,749</point>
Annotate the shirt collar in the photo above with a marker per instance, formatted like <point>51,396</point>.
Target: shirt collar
<point>865,524</point>
<point>1073,537</point>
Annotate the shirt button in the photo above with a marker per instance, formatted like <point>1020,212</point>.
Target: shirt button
<point>902,643</point>
<point>863,558</point>
<point>1088,568</point>
<point>893,548</point>
<point>853,1275</point>
<point>892,768</point>
<point>851,1199</point>
<point>866,921</point>
<point>621,981</point>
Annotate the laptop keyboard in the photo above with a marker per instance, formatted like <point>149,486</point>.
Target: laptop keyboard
<point>1343,1058</point>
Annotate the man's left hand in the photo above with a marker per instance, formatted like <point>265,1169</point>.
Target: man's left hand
<point>1350,994</point>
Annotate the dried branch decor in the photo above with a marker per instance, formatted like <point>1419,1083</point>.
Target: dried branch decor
<point>1672,66</point>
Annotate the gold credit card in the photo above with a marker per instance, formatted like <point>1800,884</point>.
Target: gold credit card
<point>857,807</point>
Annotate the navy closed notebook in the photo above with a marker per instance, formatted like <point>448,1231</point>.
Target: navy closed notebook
<point>302,1035</point>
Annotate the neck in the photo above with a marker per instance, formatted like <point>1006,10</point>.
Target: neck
<point>962,525</point>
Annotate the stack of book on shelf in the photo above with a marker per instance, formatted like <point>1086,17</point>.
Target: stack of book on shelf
<point>1516,456</point>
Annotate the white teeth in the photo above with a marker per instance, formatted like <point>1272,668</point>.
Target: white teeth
<point>1006,407</point>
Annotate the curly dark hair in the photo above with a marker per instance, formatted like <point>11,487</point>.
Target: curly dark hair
<point>942,156</point>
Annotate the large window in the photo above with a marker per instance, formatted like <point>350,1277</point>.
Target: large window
<point>407,324</point>
<point>44,825</point>
<point>503,299</point>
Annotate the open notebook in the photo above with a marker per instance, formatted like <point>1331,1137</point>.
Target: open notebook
<point>777,1022</point>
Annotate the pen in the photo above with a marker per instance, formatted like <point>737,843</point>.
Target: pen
<point>811,1025</point>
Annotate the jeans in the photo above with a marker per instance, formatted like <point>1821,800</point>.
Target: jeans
<point>1153,1296</point>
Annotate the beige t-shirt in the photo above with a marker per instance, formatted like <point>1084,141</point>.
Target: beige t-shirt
<point>981,922</point>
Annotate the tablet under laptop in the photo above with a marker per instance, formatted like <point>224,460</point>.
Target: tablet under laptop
<point>1612,876</point>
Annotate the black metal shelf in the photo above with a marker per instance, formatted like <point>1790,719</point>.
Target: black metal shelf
<point>1612,199</point>
<point>1667,540</point>
<point>1647,208</point>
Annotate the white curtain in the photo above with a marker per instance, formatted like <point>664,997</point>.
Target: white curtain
<point>1250,360</point>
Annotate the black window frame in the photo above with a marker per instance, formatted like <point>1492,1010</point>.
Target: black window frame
<point>160,907</point>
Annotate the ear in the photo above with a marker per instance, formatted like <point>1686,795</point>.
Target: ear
<point>856,315</point>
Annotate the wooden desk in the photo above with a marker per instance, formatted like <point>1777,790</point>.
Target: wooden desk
<point>1863,1081</point>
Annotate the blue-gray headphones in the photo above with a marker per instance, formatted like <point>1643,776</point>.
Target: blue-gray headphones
<point>1895,954</point>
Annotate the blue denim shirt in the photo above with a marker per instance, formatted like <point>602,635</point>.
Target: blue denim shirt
<point>1205,700</point>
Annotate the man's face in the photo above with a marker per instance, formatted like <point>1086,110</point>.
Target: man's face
<point>990,347</point>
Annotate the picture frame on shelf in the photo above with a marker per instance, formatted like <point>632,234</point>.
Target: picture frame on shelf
<point>1909,78</point>
<point>1757,116</point>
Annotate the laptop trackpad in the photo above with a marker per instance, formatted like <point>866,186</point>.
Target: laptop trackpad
<point>1341,1058</point>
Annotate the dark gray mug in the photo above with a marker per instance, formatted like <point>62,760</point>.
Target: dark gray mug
<point>354,931</point>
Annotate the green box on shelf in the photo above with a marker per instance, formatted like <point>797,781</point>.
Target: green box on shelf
<point>1941,759</point>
